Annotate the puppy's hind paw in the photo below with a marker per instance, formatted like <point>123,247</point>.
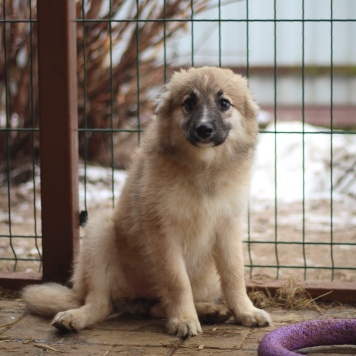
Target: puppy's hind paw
<point>213,313</point>
<point>254,317</point>
<point>183,328</point>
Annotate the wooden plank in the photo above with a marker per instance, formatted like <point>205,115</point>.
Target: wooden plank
<point>310,71</point>
<point>18,280</point>
<point>344,292</point>
<point>58,136</point>
<point>318,115</point>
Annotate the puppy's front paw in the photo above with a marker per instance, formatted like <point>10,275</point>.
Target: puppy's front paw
<point>254,317</point>
<point>183,327</point>
<point>70,320</point>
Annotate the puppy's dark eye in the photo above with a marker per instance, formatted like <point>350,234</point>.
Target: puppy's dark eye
<point>189,104</point>
<point>224,104</point>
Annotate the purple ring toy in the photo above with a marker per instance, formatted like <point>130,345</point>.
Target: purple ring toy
<point>283,341</point>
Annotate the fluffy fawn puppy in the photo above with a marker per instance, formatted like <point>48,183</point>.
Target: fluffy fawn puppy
<point>172,248</point>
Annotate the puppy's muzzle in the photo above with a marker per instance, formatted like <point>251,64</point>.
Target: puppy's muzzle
<point>204,130</point>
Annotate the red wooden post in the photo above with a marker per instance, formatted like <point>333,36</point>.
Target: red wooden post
<point>58,136</point>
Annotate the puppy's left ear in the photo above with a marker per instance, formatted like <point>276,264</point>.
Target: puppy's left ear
<point>250,106</point>
<point>162,103</point>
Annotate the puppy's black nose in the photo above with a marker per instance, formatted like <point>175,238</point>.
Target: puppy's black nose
<point>204,130</point>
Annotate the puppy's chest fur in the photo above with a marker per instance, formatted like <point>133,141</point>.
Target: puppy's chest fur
<point>196,206</point>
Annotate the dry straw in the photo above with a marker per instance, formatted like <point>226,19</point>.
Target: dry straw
<point>292,296</point>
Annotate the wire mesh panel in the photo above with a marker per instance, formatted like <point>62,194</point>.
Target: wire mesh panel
<point>20,231</point>
<point>311,236</point>
<point>297,224</point>
<point>39,89</point>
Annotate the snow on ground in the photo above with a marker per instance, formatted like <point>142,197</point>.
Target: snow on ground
<point>279,160</point>
<point>99,186</point>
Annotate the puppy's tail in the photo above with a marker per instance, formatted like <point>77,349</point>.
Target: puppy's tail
<point>49,299</point>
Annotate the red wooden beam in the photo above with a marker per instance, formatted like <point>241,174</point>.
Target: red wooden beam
<point>343,292</point>
<point>18,280</point>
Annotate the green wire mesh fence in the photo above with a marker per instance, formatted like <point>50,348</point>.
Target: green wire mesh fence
<point>301,66</point>
<point>20,239</point>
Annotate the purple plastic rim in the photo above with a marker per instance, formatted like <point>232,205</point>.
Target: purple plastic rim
<point>283,341</point>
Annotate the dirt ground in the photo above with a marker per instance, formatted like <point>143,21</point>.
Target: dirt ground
<point>318,255</point>
<point>24,334</point>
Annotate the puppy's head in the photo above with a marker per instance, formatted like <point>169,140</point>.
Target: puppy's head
<point>207,106</point>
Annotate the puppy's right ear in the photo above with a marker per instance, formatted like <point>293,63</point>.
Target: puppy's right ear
<point>163,101</point>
